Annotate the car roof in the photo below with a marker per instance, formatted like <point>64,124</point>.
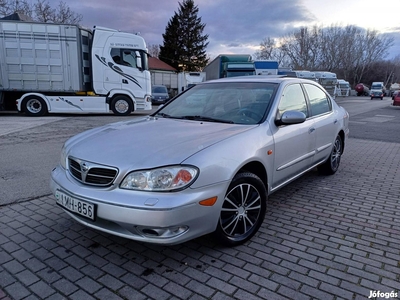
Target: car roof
<point>261,78</point>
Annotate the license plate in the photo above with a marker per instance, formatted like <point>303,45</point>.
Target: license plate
<point>75,205</point>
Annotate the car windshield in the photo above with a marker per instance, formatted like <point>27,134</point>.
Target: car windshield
<point>160,89</point>
<point>228,102</point>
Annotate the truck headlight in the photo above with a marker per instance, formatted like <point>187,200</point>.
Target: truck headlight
<point>160,179</point>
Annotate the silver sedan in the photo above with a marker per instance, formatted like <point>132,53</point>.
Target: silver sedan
<point>205,162</point>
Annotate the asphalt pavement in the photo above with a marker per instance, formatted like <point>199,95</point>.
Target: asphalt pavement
<point>333,237</point>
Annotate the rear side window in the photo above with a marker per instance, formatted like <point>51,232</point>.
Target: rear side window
<point>293,99</point>
<point>319,100</point>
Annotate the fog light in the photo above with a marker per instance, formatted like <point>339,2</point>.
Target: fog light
<point>162,233</point>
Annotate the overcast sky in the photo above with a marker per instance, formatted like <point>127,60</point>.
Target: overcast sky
<point>239,26</point>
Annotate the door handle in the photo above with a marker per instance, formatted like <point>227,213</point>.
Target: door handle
<point>334,122</point>
<point>311,130</point>
<point>124,81</point>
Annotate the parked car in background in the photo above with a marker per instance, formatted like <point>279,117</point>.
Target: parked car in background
<point>376,94</point>
<point>205,162</point>
<point>159,94</point>
<point>378,90</point>
<point>396,99</point>
<point>395,93</point>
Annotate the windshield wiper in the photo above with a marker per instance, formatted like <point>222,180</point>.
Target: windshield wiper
<point>209,119</point>
<point>164,115</point>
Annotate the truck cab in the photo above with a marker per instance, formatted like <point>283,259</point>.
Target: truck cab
<point>120,65</point>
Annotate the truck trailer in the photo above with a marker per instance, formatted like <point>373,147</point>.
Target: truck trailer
<point>266,67</point>
<point>59,68</point>
<point>361,89</point>
<point>230,65</point>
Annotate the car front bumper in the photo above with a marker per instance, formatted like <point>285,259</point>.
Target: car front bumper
<point>160,218</point>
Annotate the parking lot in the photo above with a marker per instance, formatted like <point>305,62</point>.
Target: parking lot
<point>334,237</point>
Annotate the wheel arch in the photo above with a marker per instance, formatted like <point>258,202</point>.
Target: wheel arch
<point>257,168</point>
<point>342,136</point>
<point>27,96</point>
<point>117,93</point>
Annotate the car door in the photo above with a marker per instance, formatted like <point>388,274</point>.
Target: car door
<point>325,122</point>
<point>295,143</point>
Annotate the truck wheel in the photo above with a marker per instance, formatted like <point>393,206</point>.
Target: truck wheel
<point>121,105</point>
<point>34,106</point>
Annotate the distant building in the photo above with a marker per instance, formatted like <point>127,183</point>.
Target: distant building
<point>163,74</point>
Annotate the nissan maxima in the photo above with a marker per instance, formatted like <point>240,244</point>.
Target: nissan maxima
<point>204,163</point>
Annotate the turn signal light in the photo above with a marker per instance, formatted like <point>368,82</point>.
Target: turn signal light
<point>209,201</point>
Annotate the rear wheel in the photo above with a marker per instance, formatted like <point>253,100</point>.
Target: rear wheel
<point>332,164</point>
<point>34,106</point>
<point>121,105</point>
<point>243,210</point>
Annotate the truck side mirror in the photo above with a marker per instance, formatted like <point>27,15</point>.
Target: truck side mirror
<point>138,60</point>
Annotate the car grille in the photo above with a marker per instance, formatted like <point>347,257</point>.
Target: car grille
<point>90,173</point>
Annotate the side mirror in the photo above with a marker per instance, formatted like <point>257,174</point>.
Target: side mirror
<point>291,117</point>
<point>138,60</point>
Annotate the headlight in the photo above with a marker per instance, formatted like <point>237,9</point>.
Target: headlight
<point>63,159</point>
<point>160,179</point>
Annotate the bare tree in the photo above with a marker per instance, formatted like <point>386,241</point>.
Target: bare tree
<point>267,47</point>
<point>63,14</point>
<point>349,51</point>
<point>41,11</point>
<point>154,50</point>
<point>271,50</point>
<point>8,7</point>
<point>302,47</point>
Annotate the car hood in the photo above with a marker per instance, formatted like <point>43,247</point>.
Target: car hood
<point>149,142</point>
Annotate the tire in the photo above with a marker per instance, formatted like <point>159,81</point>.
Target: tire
<point>243,210</point>
<point>34,106</point>
<point>122,106</point>
<point>381,98</point>
<point>332,163</point>
<point>372,98</point>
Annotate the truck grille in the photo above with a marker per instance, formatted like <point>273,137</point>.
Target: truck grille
<point>90,173</point>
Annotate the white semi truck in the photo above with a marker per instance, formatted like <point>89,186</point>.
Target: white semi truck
<point>58,68</point>
<point>328,80</point>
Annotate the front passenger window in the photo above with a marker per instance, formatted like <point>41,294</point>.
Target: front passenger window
<point>293,99</point>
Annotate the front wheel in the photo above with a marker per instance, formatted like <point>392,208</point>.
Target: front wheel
<point>332,164</point>
<point>243,210</point>
<point>121,106</point>
<point>34,106</point>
